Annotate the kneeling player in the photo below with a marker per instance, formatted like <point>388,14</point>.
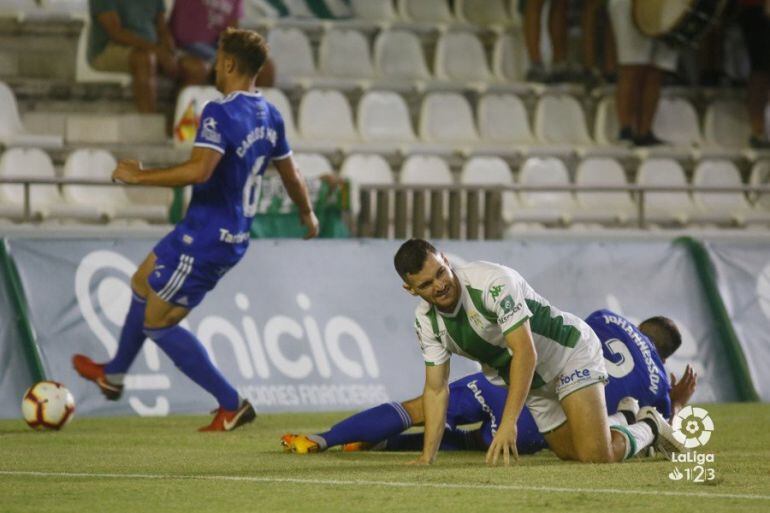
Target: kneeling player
<point>634,355</point>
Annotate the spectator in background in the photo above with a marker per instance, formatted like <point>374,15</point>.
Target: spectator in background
<point>754,19</point>
<point>132,36</point>
<point>642,61</point>
<point>557,29</point>
<point>595,28</point>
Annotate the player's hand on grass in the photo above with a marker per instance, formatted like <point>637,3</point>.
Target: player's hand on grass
<point>503,443</point>
<point>127,172</point>
<point>311,222</point>
<point>683,389</point>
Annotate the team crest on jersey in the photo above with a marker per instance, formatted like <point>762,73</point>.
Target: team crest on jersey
<point>475,319</point>
<point>209,130</point>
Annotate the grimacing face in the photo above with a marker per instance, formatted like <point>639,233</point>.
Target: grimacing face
<point>436,283</point>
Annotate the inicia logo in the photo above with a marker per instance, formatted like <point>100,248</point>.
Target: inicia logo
<point>692,427</point>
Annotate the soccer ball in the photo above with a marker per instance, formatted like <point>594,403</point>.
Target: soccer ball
<point>47,405</point>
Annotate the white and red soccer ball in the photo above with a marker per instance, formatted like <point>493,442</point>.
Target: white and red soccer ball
<point>47,405</point>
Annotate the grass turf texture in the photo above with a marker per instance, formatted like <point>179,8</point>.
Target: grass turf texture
<point>163,464</point>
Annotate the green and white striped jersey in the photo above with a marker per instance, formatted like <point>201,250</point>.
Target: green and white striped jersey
<point>494,301</point>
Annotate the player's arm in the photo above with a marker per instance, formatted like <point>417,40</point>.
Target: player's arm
<point>295,186</point>
<point>682,389</point>
<point>197,169</point>
<point>435,398</point>
<point>519,341</point>
<point>110,22</point>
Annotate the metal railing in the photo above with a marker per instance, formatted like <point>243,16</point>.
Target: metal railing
<point>439,225</point>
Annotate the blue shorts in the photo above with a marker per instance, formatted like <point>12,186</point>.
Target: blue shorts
<point>182,277</point>
<point>474,399</point>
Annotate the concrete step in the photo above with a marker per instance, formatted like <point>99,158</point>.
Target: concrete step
<point>127,128</point>
<point>38,48</point>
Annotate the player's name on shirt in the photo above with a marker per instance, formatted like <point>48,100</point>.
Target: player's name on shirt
<point>258,134</point>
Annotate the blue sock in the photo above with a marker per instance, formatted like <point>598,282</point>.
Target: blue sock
<point>369,426</point>
<point>189,355</point>
<point>132,339</point>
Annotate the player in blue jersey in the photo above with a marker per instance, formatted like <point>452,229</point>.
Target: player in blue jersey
<point>238,137</point>
<point>634,358</point>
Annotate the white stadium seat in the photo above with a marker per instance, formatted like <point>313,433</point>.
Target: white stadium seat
<point>559,119</point>
<point>281,102</point>
<point>425,170</point>
<point>460,57</point>
<point>326,116</point>
<point>383,116</point>
<point>491,171</point>
<point>509,57</point>
<point>447,118</point>
<point>664,207</point>
<point>503,118</point>
<point>544,207</point>
<point>313,165</point>
<point>727,124</point>
<point>360,169</point>
<point>482,12</point>
<point>760,175</point>
<point>12,131</point>
<point>606,126</point>
<point>398,55</point>
<point>291,51</point>
<point>83,70</point>
<point>598,206</point>
<point>45,200</point>
<point>719,207</point>
<point>191,99</point>
<point>426,11</point>
<point>676,122</point>
<point>376,11</point>
<point>345,53</point>
<point>112,202</point>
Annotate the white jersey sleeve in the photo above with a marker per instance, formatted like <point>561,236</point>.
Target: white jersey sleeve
<point>433,351</point>
<point>505,297</point>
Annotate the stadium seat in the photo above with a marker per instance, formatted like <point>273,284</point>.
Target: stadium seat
<point>760,175</point>
<point>345,53</point>
<point>111,202</point>
<point>447,118</point>
<point>544,207</point>
<point>426,11</point>
<point>491,171</point>
<point>597,206</point>
<point>718,207</point>
<point>377,11</point>
<point>559,119</point>
<point>606,126</point>
<point>383,116</point>
<point>83,70</point>
<point>45,200</point>
<point>425,170</point>
<point>482,12</point>
<point>398,55</point>
<point>460,57</point>
<point>12,131</point>
<point>502,118</point>
<point>673,207</point>
<point>363,169</point>
<point>509,57</point>
<point>189,107</point>
<point>325,116</point>
<point>513,12</point>
<point>281,102</point>
<point>313,165</point>
<point>293,56</point>
<point>726,124</point>
<point>676,122</point>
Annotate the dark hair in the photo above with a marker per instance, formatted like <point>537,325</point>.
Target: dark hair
<point>411,256</point>
<point>248,48</point>
<point>663,333</point>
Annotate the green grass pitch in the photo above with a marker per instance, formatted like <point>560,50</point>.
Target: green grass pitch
<point>163,464</point>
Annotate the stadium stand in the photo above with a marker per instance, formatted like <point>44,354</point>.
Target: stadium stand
<point>665,208</point>
<point>427,11</point>
<point>604,207</point>
<point>12,131</point>
<point>491,171</point>
<point>551,207</point>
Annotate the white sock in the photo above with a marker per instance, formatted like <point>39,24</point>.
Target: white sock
<point>638,437</point>
<point>618,418</point>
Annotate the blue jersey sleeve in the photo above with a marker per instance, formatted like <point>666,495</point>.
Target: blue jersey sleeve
<point>282,149</point>
<point>211,132</point>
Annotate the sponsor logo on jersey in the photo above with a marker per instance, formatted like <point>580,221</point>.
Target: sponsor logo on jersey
<point>509,309</point>
<point>210,132</point>
<point>577,375</point>
<point>473,386</point>
<point>232,238</point>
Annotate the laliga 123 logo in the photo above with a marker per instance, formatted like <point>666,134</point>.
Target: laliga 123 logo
<point>692,427</point>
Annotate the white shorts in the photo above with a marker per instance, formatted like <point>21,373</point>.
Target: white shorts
<point>585,367</point>
<point>634,48</point>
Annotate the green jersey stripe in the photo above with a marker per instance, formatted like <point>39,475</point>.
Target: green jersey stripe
<point>478,301</point>
<point>550,325</point>
<point>459,328</point>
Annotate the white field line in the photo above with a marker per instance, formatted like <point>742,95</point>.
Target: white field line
<point>391,484</point>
